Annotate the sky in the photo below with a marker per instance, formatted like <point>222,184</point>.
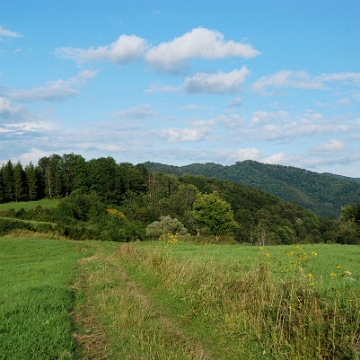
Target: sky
<point>181,82</point>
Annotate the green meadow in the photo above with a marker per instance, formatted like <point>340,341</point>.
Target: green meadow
<point>173,300</point>
<point>27,205</point>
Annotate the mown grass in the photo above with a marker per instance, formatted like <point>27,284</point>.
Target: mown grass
<point>28,205</point>
<point>36,298</point>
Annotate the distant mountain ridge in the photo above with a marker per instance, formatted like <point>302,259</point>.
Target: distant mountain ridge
<point>324,194</point>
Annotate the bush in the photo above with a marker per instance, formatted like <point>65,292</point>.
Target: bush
<point>166,225</point>
<point>8,225</point>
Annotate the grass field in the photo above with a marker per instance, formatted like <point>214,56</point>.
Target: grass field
<point>36,298</point>
<point>158,300</point>
<point>27,205</point>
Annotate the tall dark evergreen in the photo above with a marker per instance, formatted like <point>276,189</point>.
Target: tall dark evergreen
<point>7,172</point>
<point>1,188</point>
<point>19,182</point>
<point>31,181</point>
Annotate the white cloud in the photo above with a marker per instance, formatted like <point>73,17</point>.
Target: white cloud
<point>343,102</point>
<point>198,43</point>
<point>53,91</point>
<point>124,50</point>
<point>264,117</point>
<point>219,83</point>
<point>194,107</point>
<point>137,112</point>
<point>332,145</point>
<point>295,129</point>
<point>199,130</point>
<point>302,80</point>
<point>8,112</point>
<point>232,121</point>
<point>31,126</point>
<point>287,79</point>
<point>4,32</point>
<point>183,135</point>
<point>341,77</point>
<point>245,154</point>
<point>50,93</point>
<point>167,88</point>
<point>33,155</point>
<point>235,102</point>
<point>279,158</point>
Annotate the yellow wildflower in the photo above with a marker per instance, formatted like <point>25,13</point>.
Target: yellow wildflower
<point>338,267</point>
<point>332,274</point>
<point>313,253</point>
<point>268,255</point>
<point>346,272</point>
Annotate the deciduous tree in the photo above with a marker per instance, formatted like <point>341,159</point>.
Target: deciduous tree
<point>214,215</point>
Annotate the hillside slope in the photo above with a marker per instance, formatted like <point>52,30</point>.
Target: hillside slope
<point>324,194</point>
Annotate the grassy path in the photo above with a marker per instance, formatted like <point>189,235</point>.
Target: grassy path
<point>119,319</point>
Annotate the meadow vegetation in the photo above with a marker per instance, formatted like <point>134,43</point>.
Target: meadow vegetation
<point>171,299</point>
<point>171,277</point>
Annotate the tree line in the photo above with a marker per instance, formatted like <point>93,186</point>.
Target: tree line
<point>323,194</point>
<point>104,200</point>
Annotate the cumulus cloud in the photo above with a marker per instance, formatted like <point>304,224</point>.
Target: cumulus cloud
<point>8,33</point>
<point>122,51</point>
<point>287,79</point>
<point>279,158</point>
<point>53,91</point>
<point>218,83</point>
<point>198,43</point>
<point>302,80</point>
<point>137,112</point>
<point>332,145</point>
<point>245,154</point>
<point>197,131</point>
<point>232,121</point>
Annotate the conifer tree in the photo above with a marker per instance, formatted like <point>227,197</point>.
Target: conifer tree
<point>7,172</point>
<point>31,181</point>
<point>19,182</point>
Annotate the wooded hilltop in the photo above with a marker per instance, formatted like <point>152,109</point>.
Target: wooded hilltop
<point>104,200</point>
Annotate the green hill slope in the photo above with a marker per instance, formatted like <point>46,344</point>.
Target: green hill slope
<point>323,194</point>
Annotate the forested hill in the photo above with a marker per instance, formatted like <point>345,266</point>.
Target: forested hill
<point>323,194</point>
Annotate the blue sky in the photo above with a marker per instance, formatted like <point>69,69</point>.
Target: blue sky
<point>180,82</point>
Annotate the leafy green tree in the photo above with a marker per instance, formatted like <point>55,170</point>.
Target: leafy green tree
<point>214,215</point>
<point>101,176</point>
<point>349,227</point>
<point>50,168</point>
<point>73,172</point>
<point>166,225</point>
